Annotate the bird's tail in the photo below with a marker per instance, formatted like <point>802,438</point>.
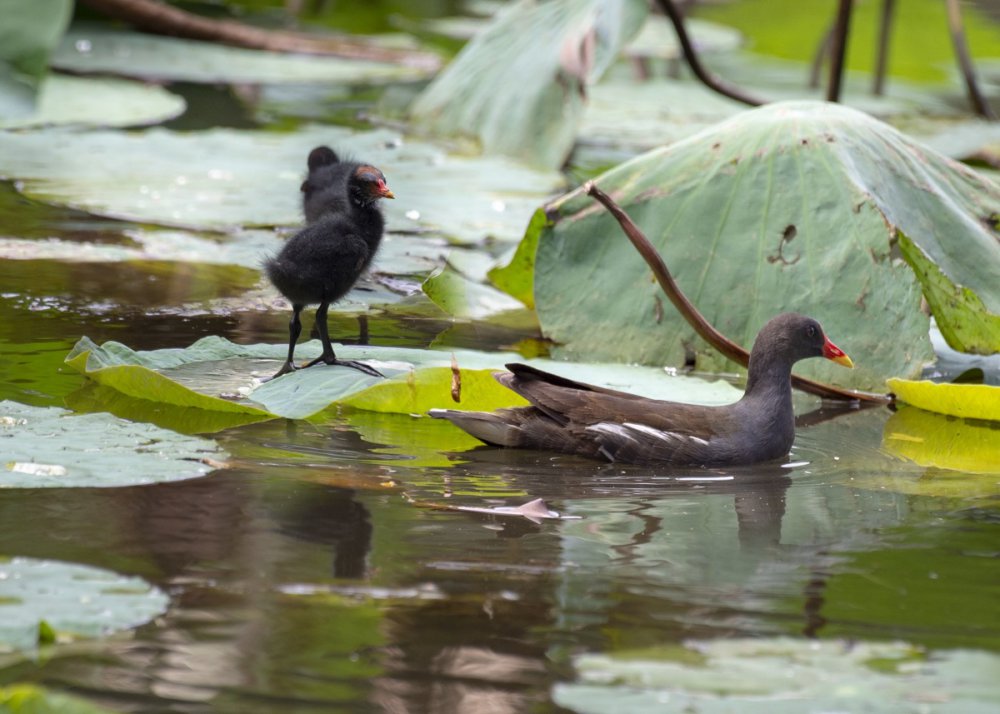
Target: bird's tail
<point>494,428</point>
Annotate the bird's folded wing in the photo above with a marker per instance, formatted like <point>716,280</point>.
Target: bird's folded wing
<point>570,402</point>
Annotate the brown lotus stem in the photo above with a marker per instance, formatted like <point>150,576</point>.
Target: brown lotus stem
<point>838,49</point>
<point>705,330</point>
<point>691,57</point>
<point>163,19</point>
<point>957,32</point>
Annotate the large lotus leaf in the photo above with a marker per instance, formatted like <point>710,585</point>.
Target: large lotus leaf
<point>48,447</point>
<point>518,87</point>
<point>223,178</point>
<point>754,676</point>
<point>28,33</point>
<point>417,380</point>
<point>965,321</point>
<point>102,50</point>
<point>98,102</point>
<point>76,600</point>
<point>793,206</point>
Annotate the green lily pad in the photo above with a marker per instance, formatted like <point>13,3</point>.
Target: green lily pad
<point>73,600</point>
<point>29,33</point>
<point>101,50</point>
<point>417,380</point>
<point>518,87</point>
<point>790,206</point>
<point>218,179</point>
<point>98,102</point>
<point>48,447</point>
<point>784,675</point>
<point>29,699</point>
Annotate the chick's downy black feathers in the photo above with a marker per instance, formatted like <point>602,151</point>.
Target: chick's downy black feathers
<point>322,262</point>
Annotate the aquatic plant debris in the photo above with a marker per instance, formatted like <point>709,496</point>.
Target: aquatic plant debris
<point>535,511</point>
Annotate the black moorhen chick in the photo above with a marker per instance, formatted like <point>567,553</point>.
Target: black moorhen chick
<point>578,418</point>
<point>321,263</point>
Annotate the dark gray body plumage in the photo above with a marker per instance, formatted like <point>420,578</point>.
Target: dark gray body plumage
<point>577,418</point>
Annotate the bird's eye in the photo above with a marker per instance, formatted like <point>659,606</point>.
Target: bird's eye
<point>811,330</point>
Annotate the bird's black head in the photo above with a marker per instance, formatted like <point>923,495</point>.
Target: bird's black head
<point>797,337</point>
<point>367,185</point>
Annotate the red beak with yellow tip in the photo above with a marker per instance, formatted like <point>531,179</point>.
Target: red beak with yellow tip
<point>383,190</point>
<point>835,354</point>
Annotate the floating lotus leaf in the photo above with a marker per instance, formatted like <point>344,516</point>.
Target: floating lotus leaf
<point>793,206</point>
<point>47,447</point>
<point>417,380</point>
<point>71,599</point>
<point>223,178</point>
<point>753,676</point>
<point>102,50</point>
<point>98,102</point>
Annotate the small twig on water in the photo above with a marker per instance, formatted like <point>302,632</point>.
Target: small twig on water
<point>705,330</point>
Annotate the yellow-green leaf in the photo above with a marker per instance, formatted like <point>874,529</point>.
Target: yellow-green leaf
<point>971,401</point>
<point>969,450</point>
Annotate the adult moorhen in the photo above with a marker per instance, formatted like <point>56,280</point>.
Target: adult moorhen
<point>578,418</point>
<point>321,263</point>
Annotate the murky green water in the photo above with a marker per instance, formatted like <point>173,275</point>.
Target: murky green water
<point>322,571</point>
<point>315,575</point>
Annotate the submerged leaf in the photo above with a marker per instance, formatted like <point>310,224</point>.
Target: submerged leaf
<point>518,87</point>
<point>971,401</point>
<point>29,699</point>
<point>47,447</point>
<point>71,599</point>
<point>793,206</point>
